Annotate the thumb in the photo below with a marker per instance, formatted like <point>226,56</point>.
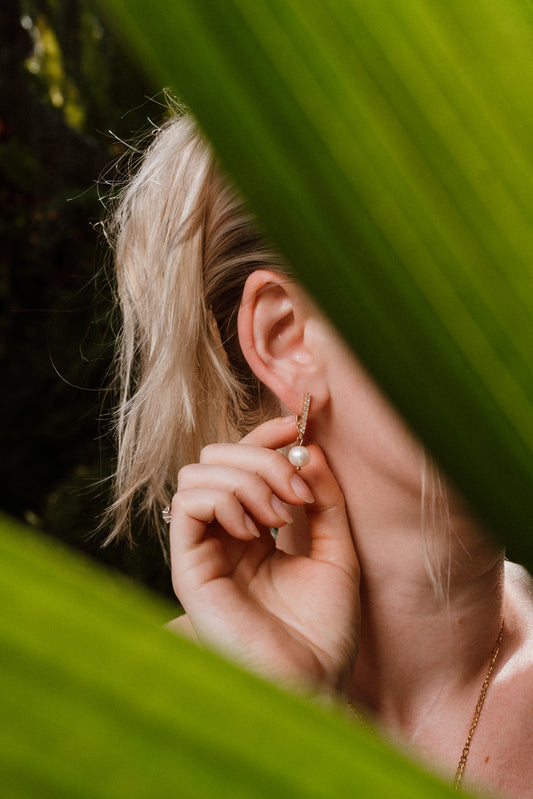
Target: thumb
<point>331,538</point>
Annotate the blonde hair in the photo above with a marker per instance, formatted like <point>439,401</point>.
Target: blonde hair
<point>436,527</point>
<point>184,245</point>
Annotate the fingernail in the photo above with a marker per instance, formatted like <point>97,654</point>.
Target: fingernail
<point>301,489</point>
<point>251,526</point>
<point>280,509</point>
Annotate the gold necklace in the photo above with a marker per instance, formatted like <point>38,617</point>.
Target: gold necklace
<point>475,718</point>
<point>477,711</point>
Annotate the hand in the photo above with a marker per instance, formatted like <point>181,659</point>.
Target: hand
<point>293,618</point>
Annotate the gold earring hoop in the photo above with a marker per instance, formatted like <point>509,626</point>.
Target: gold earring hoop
<point>299,455</point>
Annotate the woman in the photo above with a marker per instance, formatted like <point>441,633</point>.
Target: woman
<point>380,587</point>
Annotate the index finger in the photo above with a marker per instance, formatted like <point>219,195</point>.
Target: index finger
<point>273,434</point>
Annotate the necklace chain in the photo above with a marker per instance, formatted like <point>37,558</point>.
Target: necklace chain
<point>477,711</point>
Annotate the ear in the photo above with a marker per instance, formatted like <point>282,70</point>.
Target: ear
<point>277,334</point>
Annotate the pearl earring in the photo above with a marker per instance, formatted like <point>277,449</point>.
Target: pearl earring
<point>299,455</point>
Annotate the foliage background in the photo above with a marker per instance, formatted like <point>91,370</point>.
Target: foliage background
<point>70,96</point>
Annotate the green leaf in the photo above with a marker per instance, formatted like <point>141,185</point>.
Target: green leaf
<point>98,700</point>
<point>387,149</point>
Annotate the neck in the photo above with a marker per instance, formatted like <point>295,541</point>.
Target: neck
<point>432,602</point>
<point>417,652</point>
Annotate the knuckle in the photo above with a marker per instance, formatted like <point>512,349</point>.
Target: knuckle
<point>176,503</point>
<point>186,475</point>
<point>207,452</point>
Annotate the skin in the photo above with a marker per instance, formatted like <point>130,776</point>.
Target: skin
<point>342,603</point>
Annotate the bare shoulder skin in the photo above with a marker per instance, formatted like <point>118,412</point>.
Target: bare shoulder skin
<point>502,752</point>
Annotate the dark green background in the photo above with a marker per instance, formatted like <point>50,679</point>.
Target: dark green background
<point>66,82</point>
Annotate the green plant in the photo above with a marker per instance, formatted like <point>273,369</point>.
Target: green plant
<point>97,700</point>
<point>386,147</point>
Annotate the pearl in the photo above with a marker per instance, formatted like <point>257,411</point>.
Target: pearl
<point>299,456</point>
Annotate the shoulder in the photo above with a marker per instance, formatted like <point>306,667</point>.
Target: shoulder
<point>511,694</point>
<point>516,672</point>
<point>518,611</point>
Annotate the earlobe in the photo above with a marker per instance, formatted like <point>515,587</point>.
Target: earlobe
<point>275,334</point>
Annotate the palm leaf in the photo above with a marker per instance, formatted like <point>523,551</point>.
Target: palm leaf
<point>386,147</point>
<point>97,700</point>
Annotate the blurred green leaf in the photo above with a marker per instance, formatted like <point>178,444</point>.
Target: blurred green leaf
<point>387,148</point>
<point>97,700</point>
